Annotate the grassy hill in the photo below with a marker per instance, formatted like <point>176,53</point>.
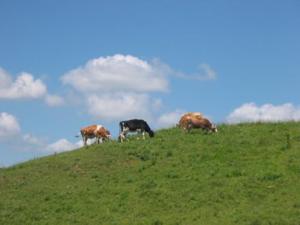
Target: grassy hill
<point>245,174</point>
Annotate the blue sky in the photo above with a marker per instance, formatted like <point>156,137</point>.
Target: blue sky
<point>68,64</point>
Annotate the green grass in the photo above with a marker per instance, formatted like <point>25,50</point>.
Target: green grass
<point>245,174</point>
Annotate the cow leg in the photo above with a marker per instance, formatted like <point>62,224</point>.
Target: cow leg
<point>189,127</point>
<point>123,134</point>
<point>186,126</point>
<point>138,134</point>
<point>83,138</point>
<point>122,137</point>
<point>84,141</point>
<point>143,133</point>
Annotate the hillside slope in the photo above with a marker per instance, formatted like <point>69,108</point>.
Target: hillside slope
<point>245,174</point>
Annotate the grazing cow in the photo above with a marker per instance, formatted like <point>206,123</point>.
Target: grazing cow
<point>94,131</point>
<point>202,123</point>
<point>184,118</point>
<point>134,125</point>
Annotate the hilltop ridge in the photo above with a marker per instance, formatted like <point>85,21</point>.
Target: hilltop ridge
<point>244,174</point>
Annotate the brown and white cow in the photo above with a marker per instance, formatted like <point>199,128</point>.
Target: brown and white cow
<point>202,123</point>
<point>187,116</point>
<point>94,131</point>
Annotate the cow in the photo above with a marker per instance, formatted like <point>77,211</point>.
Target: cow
<point>94,131</point>
<point>202,123</point>
<point>184,118</point>
<point>134,125</point>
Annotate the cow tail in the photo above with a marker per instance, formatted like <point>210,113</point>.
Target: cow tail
<point>79,134</point>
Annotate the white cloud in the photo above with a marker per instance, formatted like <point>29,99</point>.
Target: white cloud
<point>205,72</point>
<point>120,86</point>
<point>9,126</point>
<point>250,112</point>
<point>169,119</point>
<point>25,86</point>
<point>10,133</point>
<point>62,145</point>
<point>32,140</point>
<point>121,106</point>
<point>117,73</point>
<point>54,100</point>
<point>5,79</point>
<point>31,143</point>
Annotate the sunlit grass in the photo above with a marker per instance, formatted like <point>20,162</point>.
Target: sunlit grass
<point>245,174</point>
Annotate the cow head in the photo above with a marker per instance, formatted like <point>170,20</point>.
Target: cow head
<point>107,135</point>
<point>214,128</point>
<point>151,133</point>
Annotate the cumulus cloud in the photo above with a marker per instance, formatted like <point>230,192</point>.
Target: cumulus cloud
<point>25,86</point>
<point>120,106</point>
<point>250,112</point>
<point>9,126</point>
<point>169,119</point>
<point>62,145</point>
<point>120,86</point>
<point>117,73</point>
<point>10,133</point>
<point>54,100</point>
<point>31,143</point>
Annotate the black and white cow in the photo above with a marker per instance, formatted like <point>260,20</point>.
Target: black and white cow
<point>134,125</point>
